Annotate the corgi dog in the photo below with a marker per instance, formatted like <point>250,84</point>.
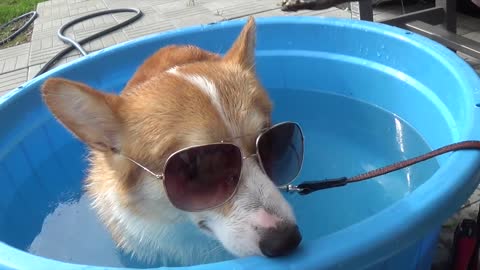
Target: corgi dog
<point>178,146</point>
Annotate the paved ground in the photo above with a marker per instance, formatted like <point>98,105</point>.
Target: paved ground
<point>20,63</point>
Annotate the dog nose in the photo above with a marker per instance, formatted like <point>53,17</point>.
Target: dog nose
<point>280,241</point>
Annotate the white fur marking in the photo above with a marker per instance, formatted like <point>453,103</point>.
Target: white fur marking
<point>173,70</point>
<point>209,89</point>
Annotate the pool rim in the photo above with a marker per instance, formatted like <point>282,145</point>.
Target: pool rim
<point>398,215</point>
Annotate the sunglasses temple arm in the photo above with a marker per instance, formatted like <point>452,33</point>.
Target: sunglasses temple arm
<point>158,176</point>
<point>312,186</point>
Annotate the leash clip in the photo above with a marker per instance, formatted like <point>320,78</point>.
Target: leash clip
<point>312,186</point>
<point>291,189</point>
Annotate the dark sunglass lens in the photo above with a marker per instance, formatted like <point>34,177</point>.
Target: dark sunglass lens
<point>281,152</point>
<point>203,177</point>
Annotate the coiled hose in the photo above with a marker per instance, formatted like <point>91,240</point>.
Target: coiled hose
<point>78,44</point>
<point>33,15</point>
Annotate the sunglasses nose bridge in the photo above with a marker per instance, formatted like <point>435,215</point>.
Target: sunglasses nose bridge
<point>249,156</point>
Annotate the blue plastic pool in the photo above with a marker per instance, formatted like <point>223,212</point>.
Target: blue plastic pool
<point>365,94</point>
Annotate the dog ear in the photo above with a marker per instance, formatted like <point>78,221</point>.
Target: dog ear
<point>243,49</point>
<point>87,113</point>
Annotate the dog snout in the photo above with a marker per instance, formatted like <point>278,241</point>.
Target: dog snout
<point>281,240</point>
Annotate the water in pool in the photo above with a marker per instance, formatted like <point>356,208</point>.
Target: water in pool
<point>343,137</point>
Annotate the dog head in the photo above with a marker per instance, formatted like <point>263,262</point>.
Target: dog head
<point>181,97</point>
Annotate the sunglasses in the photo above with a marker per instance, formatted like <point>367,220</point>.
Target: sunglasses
<point>203,177</point>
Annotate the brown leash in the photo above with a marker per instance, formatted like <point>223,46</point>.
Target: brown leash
<point>311,186</point>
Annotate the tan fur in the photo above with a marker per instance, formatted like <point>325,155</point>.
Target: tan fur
<point>167,58</point>
<point>240,53</point>
<point>156,114</point>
